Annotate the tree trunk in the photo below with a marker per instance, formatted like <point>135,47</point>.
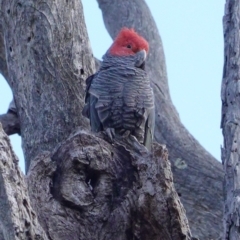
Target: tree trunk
<point>230,120</point>
<point>197,175</point>
<point>49,58</point>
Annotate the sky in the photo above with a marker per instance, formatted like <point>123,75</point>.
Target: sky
<point>192,37</point>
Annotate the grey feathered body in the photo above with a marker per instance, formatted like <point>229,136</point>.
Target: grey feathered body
<point>119,96</point>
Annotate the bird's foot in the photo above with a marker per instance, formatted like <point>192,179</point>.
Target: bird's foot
<point>125,133</point>
<point>110,132</point>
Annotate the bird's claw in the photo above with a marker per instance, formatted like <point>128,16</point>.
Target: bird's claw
<point>125,133</point>
<point>110,132</point>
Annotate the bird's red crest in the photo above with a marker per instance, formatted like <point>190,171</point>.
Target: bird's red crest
<point>128,42</point>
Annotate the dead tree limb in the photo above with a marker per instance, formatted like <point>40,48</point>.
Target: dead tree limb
<point>10,121</point>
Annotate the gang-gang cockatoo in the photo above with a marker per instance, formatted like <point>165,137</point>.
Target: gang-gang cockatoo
<point>119,98</point>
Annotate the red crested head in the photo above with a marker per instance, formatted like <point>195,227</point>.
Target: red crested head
<point>128,42</point>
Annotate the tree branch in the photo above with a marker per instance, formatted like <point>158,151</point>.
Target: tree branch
<point>10,123</point>
<point>198,176</point>
<point>17,218</point>
<point>106,191</point>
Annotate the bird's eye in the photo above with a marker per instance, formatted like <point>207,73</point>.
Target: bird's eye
<point>129,46</point>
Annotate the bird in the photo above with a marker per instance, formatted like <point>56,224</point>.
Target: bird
<point>119,98</point>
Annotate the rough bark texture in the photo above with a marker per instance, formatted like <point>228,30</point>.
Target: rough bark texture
<point>10,121</point>
<point>18,221</point>
<point>106,191</point>
<point>49,58</point>
<point>3,62</point>
<point>231,120</point>
<point>197,175</point>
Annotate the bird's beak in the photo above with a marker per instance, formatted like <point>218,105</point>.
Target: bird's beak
<point>140,59</point>
<point>143,53</point>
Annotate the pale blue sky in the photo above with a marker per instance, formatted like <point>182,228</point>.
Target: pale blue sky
<point>192,37</point>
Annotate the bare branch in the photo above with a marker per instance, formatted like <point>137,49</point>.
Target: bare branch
<point>198,176</point>
<point>17,218</point>
<point>10,123</point>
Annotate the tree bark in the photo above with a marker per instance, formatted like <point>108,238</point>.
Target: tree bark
<point>3,62</point>
<point>10,123</point>
<point>197,175</point>
<point>49,58</point>
<point>18,220</point>
<point>230,120</point>
<point>106,191</point>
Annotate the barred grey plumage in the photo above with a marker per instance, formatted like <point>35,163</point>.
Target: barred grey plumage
<point>119,97</point>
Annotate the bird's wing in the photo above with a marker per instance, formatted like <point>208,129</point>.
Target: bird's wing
<point>89,109</point>
<point>108,89</point>
<point>86,109</point>
<point>149,129</point>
